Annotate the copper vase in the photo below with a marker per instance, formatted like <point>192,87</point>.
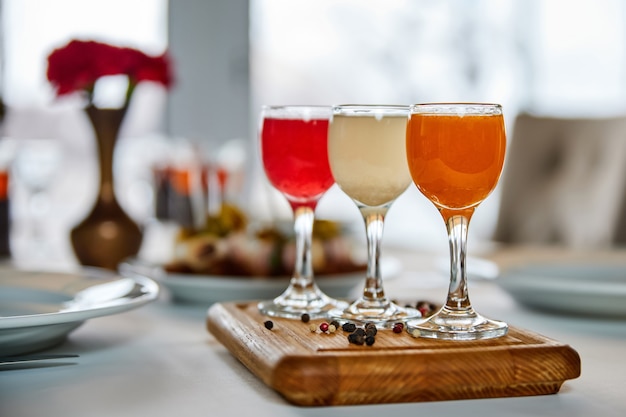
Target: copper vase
<point>107,235</point>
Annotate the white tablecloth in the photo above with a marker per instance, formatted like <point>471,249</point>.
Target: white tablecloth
<point>159,360</point>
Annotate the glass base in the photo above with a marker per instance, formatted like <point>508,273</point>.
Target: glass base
<point>293,304</point>
<point>383,315</point>
<point>449,324</point>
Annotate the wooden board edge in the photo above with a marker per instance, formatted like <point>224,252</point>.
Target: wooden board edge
<point>216,323</point>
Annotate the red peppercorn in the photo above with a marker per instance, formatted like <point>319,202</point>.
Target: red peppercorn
<point>397,328</point>
<point>324,327</point>
<point>424,310</point>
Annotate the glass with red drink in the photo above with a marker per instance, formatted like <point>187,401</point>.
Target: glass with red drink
<point>294,150</point>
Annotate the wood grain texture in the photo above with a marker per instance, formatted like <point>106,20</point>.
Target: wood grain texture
<point>316,369</point>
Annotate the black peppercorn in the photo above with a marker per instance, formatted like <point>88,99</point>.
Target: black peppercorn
<point>371,331</point>
<point>305,318</point>
<point>369,340</point>
<point>348,327</point>
<point>356,338</point>
<point>335,323</point>
<point>269,324</point>
<point>359,331</point>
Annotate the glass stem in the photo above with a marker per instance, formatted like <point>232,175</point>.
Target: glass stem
<point>458,297</point>
<point>303,228</point>
<point>374,225</point>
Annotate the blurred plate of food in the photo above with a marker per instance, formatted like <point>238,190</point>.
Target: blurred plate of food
<point>209,289</point>
<point>229,259</point>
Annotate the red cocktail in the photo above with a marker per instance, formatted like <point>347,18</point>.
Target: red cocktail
<point>294,149</point>
<point>295,158</point>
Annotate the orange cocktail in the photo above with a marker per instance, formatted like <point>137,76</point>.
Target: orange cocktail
<point>455,153</point>
<point>455,160</point>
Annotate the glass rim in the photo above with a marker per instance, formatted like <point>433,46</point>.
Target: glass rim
<point>295,106</point>
<point>455,108</point>
<point>297,111</point>
<point>370,109</point>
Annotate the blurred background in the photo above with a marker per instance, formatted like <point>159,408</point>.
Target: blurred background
<point>558,58</point>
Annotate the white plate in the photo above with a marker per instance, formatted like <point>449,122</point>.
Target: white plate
<point>597,289</point>
<point>39,309</point>
<point>208,289</point>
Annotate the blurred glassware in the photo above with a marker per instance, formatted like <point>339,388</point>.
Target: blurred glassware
<point>189,182</point>
<point>7,151</point>
<point>5,214</point>
<point>230,169</point>
<point>181,186</point>
<point>35,166</point>
<point>180,198</point>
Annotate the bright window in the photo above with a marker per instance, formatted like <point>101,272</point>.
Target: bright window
<point>557,56</point>
<point>33,28</point>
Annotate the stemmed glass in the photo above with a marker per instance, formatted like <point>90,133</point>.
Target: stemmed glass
<point>455,153</point>
<point>294,143</point>
<point>367,154</point>
<point>36,164</point>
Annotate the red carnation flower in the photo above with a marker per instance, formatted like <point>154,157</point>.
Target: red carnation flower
<point>79,64</point>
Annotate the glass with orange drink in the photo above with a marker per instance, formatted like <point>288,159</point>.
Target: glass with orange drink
<point>455,153</point>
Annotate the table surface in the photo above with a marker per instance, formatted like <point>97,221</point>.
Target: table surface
<point>159,360</point>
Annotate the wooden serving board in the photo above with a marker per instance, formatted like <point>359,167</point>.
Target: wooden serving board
<point>315,369</point>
